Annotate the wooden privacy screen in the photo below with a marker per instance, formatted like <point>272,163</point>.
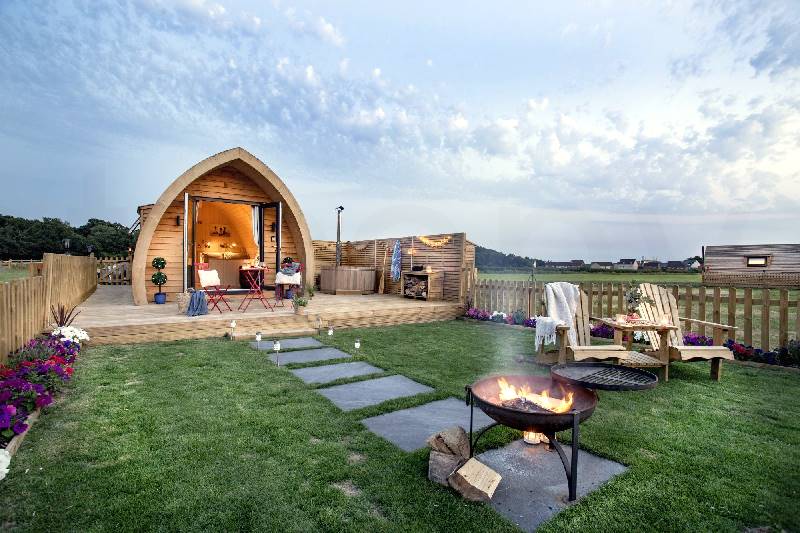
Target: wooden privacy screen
<point>25,303</point>
<point>455,259</point>
<point>766,318</point>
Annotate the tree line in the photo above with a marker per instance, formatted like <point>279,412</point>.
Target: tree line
<point>22,238</point>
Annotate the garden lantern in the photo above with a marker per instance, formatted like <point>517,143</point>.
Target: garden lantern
<point>258,340</point>
<point>330,331</point>
<point>233,329</point>
<point>276,347</point>
<point>357,345</point>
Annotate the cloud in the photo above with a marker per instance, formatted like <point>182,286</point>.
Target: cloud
<point>307,24</point>
<point>141,73</point>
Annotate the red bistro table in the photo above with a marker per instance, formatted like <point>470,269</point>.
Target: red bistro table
<point>254,276</point>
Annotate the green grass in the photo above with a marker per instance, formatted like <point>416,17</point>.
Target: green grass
<point>208,435</point>
<point>10,273</point>
<point>578,277</point>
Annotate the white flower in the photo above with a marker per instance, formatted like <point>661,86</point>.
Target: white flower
<point>71,333</point>
<point>5,462</point>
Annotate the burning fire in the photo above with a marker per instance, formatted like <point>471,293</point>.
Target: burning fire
<point>543,400</point>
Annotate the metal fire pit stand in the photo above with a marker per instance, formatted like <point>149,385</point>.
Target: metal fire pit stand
<point>570,467</point>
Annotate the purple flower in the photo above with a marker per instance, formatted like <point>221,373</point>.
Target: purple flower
<point>43,400</point>
<point>19,427</point>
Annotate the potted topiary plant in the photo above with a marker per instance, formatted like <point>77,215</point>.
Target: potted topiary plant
<point>159,278</point>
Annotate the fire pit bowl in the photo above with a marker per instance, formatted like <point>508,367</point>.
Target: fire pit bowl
<point>486,394</point>
<point>534,403</point>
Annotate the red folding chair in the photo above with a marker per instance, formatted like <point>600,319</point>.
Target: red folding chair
<point>209,280</point>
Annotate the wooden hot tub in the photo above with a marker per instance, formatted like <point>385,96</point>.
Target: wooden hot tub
<point>350,280</point>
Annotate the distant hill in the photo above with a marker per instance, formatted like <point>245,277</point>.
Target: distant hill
<point>488,259</point>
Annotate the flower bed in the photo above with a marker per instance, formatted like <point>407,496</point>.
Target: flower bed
<point>34,374</point>
<point>517,318</point>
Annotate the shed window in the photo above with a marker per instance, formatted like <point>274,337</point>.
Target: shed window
<point>757,261</point>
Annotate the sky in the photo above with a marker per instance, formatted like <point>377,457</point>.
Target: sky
<point>560,130</point>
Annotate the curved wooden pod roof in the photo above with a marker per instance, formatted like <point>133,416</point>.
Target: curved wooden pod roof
<point>249,165</point>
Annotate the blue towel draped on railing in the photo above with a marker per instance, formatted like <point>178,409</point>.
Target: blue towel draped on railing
<point>397,259</point>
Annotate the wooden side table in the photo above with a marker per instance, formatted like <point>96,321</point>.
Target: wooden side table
<point>663,330</point>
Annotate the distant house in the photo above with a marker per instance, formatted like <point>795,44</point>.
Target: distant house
<point>695,265</point>
<point>575,264</point>
<point>757,265</point>
<point>627,265</point>
<point>649,266</point>
<point>675,266</point>
<point>601,265</point>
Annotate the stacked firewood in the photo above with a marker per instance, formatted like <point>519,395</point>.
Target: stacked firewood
<point>450,464</point>
<point>416,287</point>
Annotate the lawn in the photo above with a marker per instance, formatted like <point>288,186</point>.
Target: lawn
<point>582,277</point>
<point>209,435</point>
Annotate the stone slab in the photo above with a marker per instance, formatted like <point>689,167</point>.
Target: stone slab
<point>409,428</point>
<point>534,486</point>
<point>309,356</point>
<point>372,392</point>
<point>328,373</point>
<point>288,344</point>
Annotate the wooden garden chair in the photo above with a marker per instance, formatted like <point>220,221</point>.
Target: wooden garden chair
<point>584,350</point>
<point>664,305</point>
<point>209,280</point>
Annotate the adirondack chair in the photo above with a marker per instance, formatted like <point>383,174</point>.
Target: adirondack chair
<point>584,349</point>
<point>664,304</point>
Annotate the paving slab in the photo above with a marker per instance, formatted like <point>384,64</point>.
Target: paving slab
<point>372,392</point>
<point>328,373</point>
<point>534,486</point>
<point>288,344</point>
<point>309,356</point>
<point>409,428</point>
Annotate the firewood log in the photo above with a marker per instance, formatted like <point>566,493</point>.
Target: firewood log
<point>475,481</point>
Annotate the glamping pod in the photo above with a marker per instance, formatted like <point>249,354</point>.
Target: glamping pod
<point>226,212</point>
<point>753,265</point>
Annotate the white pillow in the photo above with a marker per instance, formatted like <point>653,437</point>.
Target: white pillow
<point>209,278</point>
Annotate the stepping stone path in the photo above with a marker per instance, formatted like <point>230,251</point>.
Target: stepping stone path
<point>534,486</point>
<point>372,392</point>
<point>309,356</point>
<point>408,428</point>
<point>288,344</point>
<point>328,373</point>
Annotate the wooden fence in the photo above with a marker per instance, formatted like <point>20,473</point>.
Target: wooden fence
<point>766,318</point>
<point>114,270</point>
<point>25,303</point>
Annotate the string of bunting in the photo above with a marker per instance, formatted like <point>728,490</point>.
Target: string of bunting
<point>435,243</point>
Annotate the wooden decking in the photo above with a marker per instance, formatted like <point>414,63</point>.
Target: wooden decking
<point>110,317</point>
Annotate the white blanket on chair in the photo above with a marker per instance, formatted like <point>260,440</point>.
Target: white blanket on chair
<point>545,331</point>
<point>562,301</point>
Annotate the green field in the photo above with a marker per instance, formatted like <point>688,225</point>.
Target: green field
<point>578,277</point>
<point>15,272</point>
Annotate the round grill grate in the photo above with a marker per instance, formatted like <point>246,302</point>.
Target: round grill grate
<point>603,376</point>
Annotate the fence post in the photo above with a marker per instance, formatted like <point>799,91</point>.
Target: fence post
<point>783,319</point>
<point>701,309</point>
<point>765,319</point>
<point>748,316</point>
<point>732,305</point>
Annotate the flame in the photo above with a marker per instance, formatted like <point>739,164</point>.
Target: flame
<point>534,437</point>
<point>543,400</point>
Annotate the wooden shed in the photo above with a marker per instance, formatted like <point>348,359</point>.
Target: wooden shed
<point>756,265</point>
<point>227,211</point>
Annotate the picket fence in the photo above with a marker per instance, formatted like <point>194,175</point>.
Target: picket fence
<point>114,270</point>
<point>25,303</point>
<point>766,318</point>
